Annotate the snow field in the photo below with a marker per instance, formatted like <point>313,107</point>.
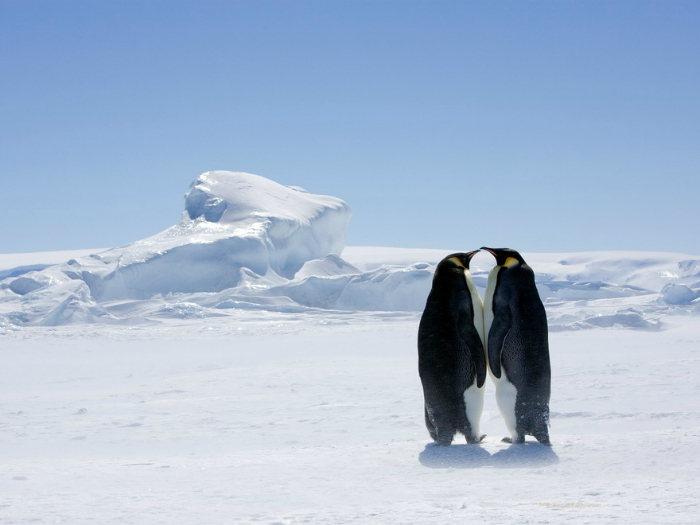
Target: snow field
<point>295,421</point>
<point>243,366</point>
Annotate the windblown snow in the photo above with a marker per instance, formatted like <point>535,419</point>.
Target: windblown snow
<point>243,366</point>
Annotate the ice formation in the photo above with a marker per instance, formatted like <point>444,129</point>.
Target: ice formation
<point>247,243</point>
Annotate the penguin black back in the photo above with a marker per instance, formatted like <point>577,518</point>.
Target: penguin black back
<point>517,346</point>
<point>451,357</point>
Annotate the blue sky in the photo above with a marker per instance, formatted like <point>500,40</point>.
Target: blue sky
<point>544,126</point>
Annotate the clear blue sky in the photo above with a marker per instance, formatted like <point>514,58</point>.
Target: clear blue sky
<point>541,125</point>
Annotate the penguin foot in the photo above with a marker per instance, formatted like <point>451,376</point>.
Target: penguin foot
<point>512,441</point>
<point>473,441</point>
<point>543,437</point>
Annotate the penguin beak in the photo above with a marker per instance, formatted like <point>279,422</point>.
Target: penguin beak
<point>465,258</point>
<point>468,256</point>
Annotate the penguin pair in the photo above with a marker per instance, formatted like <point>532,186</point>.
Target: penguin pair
<point>459,338</point>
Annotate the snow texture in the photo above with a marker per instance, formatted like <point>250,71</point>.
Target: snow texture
<point>242,367</point>
<point>316,416</point>
<point>247,243</point>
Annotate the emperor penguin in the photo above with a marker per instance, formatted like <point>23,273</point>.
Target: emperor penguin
<point>517,347</point>
<point>451,357</point>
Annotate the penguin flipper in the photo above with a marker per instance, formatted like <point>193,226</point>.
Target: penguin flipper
<point>475,348</point>
<point>496,337</point>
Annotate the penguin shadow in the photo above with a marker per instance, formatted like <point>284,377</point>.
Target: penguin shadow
<point>524,455</point>
<point>454,456</point>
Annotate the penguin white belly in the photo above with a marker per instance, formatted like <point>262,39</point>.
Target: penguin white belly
<point>474,396</point>
<point>506,394</point>
<point>477,306</point>
<point>488,311</point>
<point>474,401</point>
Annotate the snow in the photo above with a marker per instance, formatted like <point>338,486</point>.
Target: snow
<point>674,293</point>
<point>289,418</point>
<point>355,280</point>
<point>243,366</point>
<point>246,242</point>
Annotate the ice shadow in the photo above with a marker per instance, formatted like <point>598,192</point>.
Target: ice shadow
<point>525,455</point>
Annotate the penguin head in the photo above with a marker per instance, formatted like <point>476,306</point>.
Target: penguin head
<point>455,262</point>
<point>460,260</point>
<point>505,256</point>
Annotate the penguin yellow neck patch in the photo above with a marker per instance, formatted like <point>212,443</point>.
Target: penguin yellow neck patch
<point>456,261</point>
<point>510,262</point>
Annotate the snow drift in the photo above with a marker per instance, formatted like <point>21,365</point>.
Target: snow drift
<point>247,243</point>
<point>243,242</point>
<point>231,221</point>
